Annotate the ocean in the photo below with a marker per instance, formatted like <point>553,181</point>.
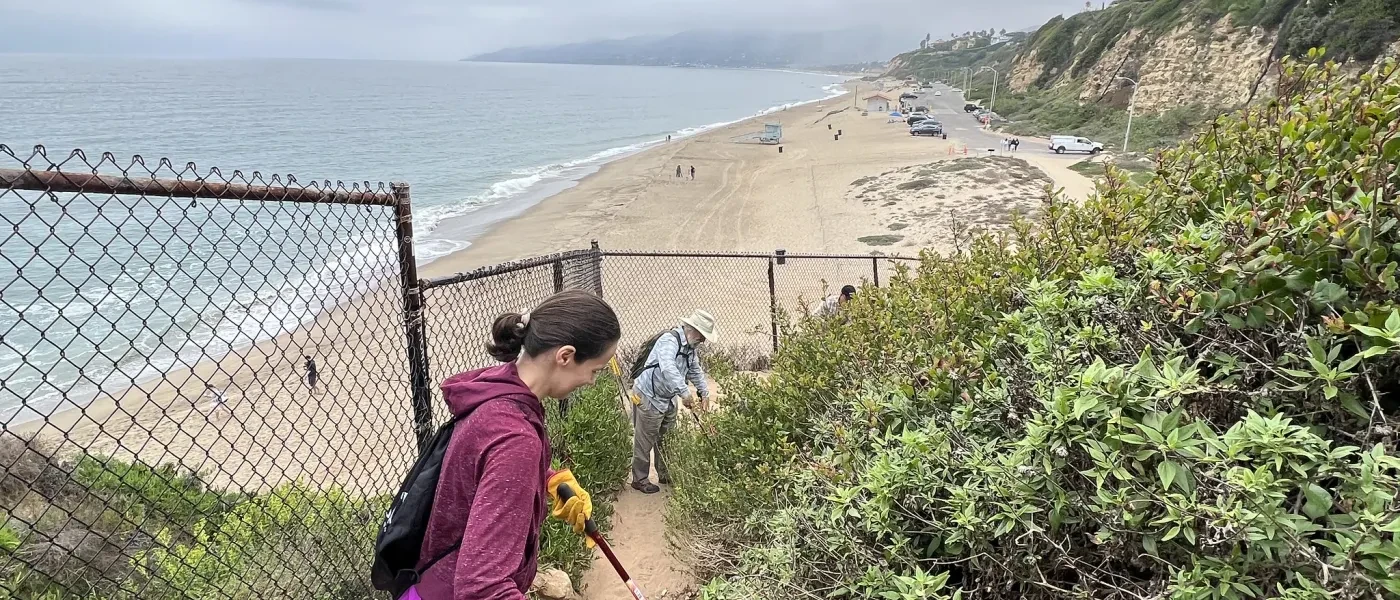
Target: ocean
<point>477,142</point>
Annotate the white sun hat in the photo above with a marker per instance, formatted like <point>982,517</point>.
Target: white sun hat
<point>702,322</point>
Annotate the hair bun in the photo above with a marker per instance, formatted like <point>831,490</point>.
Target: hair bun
<point>508,336</point>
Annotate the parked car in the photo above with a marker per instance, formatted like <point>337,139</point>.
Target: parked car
<point>969,107</point>
<point>927,127</point>
<point>907,96</point>
<point>913,119</point>
<point>1070,143</point>
<point>920,109</point>
<point>938,92</point>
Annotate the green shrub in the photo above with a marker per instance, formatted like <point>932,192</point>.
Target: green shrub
<point>1184,389</point>
<point>9,540</point>
<point>141,493</point>
<point>290,543</point>
<point>593,439</point>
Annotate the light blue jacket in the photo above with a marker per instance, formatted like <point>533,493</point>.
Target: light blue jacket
<point>676,364</point>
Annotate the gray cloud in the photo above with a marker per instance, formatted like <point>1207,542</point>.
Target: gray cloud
<point>450,29</point>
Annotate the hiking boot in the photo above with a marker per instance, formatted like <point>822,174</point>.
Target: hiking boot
<point>645,487</point>
<point>664,480</point>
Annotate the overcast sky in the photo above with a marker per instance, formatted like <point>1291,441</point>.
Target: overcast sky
<point>451,29</point>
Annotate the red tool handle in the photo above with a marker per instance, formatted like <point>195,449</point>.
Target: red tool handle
<point>565,493</point>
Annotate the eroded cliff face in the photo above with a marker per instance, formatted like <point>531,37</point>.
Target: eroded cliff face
<point>1220,66</point>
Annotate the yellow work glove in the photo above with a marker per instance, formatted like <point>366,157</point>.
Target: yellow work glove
<point>577,510</point>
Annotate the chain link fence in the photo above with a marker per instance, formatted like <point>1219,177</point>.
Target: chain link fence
<point>753,297</point>
<point>206,386</point>
<point>212,382</point>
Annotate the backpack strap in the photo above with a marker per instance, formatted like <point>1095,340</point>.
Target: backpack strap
<point>680,349</point>
<point>418,574</point>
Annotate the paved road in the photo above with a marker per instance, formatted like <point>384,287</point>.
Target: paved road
<point>959,124</point>
<point>961,127</point>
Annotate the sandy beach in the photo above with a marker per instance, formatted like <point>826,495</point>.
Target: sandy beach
<point>746,196</point>
<point>875,189</point>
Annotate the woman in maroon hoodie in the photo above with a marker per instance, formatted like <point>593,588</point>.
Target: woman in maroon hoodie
<point>496,482</point>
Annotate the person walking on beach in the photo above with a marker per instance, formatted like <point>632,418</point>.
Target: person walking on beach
<point>692,172</point>
<point>678,172</point>
<point>483,532</point>
<point>1015,144</point>
<point>218,399</point>
<point>670,364</point>
<point>313,376</point>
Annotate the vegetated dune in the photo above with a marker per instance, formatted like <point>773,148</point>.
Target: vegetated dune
<point>930,205</point>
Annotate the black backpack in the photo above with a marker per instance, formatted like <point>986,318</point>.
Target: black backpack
<point>400,539</point>
<point>639,365</point>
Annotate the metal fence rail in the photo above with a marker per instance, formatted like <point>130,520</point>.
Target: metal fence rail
<point>163,432</point>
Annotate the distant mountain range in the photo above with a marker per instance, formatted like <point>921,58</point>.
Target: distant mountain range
<point>718,49</point>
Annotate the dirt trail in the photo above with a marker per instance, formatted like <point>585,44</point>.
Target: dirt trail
<point>638,537</point>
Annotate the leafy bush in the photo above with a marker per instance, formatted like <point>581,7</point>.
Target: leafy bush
<point>1185,389</point>
<point>9,540</point>
<point>593,439</point>
<point>286,544</point>
<point>141,493</point>
<point>99,527</point>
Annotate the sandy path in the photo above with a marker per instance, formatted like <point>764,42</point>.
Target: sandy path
<point>638,537</point>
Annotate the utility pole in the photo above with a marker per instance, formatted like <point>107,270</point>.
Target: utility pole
<point>1132,101</point>
<point>995,77</point>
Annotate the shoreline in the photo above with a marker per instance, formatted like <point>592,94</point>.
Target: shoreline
<point>470,225</point>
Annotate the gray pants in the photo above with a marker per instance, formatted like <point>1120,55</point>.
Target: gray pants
<point>649,428</point>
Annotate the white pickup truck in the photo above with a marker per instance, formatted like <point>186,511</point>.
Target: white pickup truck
<point>1069,143</point>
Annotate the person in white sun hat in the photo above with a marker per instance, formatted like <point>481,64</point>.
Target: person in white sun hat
<point>656,384</point>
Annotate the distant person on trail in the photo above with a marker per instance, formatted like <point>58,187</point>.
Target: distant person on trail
<point>1015,144</point>
<point>664,372</point>
<point>313,376</point>
<point>678,172</point>
<point>483,534</point>
<point>833,303</point>
<point>692,172</point>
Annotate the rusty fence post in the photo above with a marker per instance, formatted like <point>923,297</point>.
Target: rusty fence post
<point>875,267</point>
<point>415,331</point>
<point>773,297</point>
<point>559,275</point>
<point>597,269</point>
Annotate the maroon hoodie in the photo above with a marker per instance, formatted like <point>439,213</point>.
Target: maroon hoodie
<point>491,496</point>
